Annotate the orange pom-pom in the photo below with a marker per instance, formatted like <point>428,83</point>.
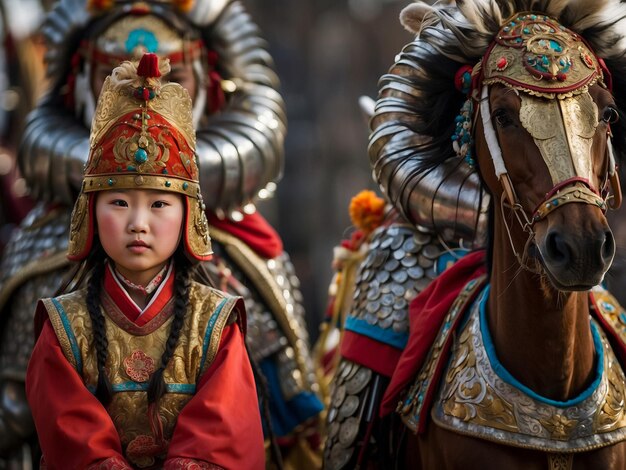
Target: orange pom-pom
<point>367,211</point>
<point>99,5</point>
<point>184,5</point>
<point>149,66</point>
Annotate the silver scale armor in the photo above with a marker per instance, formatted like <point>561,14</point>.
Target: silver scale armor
<point>400,263</point>
<point>240,153</point>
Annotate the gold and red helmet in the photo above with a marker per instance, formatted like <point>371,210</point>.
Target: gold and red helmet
<point>142,137</point>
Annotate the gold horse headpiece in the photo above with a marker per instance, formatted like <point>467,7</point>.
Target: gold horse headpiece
<point>552,69</point>
<point>535,54</point>
<point>142,137</point>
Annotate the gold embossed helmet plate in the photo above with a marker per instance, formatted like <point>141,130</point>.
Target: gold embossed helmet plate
<point>535,54</point>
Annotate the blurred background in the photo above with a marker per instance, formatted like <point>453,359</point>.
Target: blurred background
<point>327,53</point>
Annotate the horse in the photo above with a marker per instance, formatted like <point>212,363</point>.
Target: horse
<point>525,364</point>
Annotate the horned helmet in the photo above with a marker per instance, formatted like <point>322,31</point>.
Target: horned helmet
<point>142,137</point>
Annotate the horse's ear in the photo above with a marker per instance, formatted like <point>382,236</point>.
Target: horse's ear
<point>412,16</point>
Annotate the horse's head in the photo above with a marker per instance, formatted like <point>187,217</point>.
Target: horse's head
<point>543,148</point>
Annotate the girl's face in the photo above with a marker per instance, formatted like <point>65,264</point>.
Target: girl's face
<point>139,230</point>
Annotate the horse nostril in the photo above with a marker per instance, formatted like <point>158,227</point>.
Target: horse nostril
<point>557,249</point>
<point>608,247</point>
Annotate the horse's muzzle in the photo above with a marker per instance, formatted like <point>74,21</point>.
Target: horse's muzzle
<point>577,260</point>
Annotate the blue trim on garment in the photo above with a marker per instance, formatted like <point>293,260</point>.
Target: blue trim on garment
<point>209,330</point>
<point>286,415</point>
<point>508,378</point>
<point>188,389</point>
<point>386,336</point>
<point>143,387</point>
<point>448,258</point>
<point>70,335</point>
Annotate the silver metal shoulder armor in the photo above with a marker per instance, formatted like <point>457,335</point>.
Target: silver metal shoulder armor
<point>447,199</point>
<point>240,149</point>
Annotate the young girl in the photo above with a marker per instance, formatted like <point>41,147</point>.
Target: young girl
<point>143,368</point>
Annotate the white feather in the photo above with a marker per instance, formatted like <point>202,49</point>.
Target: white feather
<point>412,16</point>
<point>126,74</point>
<point>476,11</point>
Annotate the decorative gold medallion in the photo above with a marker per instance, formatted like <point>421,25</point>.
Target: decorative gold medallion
<point>139,366</point>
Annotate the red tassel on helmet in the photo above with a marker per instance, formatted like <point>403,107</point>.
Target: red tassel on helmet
<point>149,66</point>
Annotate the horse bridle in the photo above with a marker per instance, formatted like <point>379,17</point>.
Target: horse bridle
<point>572,190</point>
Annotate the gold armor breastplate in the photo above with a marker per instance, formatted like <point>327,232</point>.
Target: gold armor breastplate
<point>135,352</point>
<point>476,400</point>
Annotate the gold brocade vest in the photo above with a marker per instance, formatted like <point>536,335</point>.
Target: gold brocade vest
<point>135,352</point>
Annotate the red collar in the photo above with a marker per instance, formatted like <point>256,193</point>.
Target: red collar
<point>130,309</point>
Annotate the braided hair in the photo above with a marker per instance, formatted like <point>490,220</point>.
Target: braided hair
<point>104,391</point>
<point>182,282</point>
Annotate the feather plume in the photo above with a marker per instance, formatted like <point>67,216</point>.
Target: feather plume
<point>126,75</point>
<point>411,16</point>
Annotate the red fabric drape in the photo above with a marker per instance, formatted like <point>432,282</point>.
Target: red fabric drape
<point>254,231</point>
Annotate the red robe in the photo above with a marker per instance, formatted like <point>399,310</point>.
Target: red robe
<point>220,427</point>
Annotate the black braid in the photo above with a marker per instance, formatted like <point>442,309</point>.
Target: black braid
<point>182,282</point>
<point>104,392</point>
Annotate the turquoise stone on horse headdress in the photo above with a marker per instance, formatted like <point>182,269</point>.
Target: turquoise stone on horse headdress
<point>535,54</point>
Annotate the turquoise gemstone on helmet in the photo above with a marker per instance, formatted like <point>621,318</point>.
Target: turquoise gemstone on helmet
<point>141,156</point>
<point>164,171</point>
<point>131,168</point>
<point>608,307</point>
<point>152,94</point>
<point>111,181</point>
<point>167,184</point>
<point>141,37</point>
<point>555,203</point>
<point>555,46</point>
<point>185,185</point>
<point>533,17</point>
<point>526,31</point>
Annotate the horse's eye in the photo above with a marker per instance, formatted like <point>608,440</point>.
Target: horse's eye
<point>502,118</point>
<point>610,115</point>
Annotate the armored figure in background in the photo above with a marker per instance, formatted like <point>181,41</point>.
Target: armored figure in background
<point>216,53</point>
